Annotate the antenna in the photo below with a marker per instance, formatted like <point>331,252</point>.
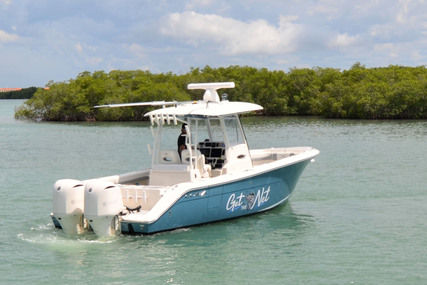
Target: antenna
<point>153,103</point>
<point>210,89</point>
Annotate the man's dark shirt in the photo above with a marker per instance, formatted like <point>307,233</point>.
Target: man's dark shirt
<point>181,140</point>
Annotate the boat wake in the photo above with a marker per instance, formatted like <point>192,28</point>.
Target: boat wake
<point>46,234</point>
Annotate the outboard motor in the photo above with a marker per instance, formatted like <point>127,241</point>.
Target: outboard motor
<point>68,205</point>
<point>103,202</point>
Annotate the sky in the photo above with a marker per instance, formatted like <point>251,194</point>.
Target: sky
<point>55,40</point>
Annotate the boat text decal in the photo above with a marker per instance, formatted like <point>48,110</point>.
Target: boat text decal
<point>249,201</point>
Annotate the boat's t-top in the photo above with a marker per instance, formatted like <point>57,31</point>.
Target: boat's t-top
<point>215,141</point>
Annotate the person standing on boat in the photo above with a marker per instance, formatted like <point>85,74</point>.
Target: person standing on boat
<point>181,139</point>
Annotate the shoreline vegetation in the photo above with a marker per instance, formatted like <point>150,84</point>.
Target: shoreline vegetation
<point>393,92</point>
<point>22,93</point>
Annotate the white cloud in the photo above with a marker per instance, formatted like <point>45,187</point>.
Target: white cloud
<point>416,55</point>
<point>6,37</point>
<point>84,48</point>
<point>389,49</point>
<point>79,48</point>
<point>197,3</point>
<point>344,40</point>
<point>402,15</point>
<point>95,61</point>
<point>230,36</point>
<point>137,50</point>
<point>325,9</point>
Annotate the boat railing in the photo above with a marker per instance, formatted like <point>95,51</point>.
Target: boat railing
<point>144,197</point>
<point>163,118</point>
<point>135,177</point>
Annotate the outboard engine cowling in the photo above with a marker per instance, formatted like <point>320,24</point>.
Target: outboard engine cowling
<point>103,202</point>
<point>68,205</point>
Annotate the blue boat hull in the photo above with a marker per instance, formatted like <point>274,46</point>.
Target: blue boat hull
<point>235,199</point>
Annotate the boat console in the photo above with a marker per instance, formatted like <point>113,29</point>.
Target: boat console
<point>214,153</point>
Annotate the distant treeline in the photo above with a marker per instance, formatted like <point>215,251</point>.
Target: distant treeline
<point>24,93</point>
<point>393,92</point>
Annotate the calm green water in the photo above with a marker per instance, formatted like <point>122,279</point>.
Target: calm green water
<point>358,215</point>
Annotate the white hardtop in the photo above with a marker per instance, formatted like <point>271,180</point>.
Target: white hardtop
<point>210,106</point>
<point>206,109</point>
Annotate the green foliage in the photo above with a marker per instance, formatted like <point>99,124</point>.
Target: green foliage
<point>392,92</point>
<point>74,100</point>
<point>24,93</point>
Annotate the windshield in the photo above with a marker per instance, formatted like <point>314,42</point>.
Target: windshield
<point>234,131</point>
